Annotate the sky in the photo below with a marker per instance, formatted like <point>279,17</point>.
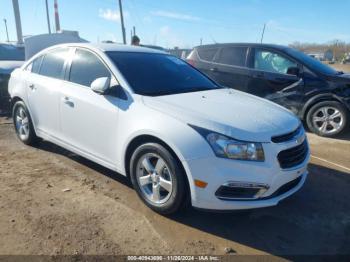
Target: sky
<point>184,23</point>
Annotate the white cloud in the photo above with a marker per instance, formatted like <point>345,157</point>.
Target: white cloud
<point>147,19</point>
<point>111,15</point>
<point>169,38</point>
<point>164,30</point>
<point>178,16</point>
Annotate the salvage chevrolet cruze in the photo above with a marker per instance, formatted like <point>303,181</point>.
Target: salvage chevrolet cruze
<point>150,116</point>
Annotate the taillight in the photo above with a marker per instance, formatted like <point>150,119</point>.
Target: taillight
<point>191,62</point>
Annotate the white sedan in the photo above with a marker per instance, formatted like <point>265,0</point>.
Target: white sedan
<point>152,117</point>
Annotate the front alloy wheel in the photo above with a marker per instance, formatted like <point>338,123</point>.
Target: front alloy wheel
<point>158,178</point>
<point>328,119</point>
<point>154,178</point>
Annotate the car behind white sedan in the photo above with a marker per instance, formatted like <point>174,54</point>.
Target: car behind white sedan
<point>152,117</point>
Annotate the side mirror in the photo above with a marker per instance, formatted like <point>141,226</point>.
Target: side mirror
<point>293,71</point>
<point>100,85</point>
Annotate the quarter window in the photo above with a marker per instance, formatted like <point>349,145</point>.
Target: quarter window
<point>272,62</point>
<point>86,68</point>
<point>53,62</point>
<point>207,54</point>
<point>234,56</point>
<point>35,65</point>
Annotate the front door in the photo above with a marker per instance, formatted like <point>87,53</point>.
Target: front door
<point>89,120</point>
<point>276,78</point>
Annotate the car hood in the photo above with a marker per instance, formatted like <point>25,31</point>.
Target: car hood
<point>6,67</point>
<point>229,112</point>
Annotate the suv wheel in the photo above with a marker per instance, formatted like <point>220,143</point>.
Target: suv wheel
<point>23,124</point>
<point>328,119</point>
<point>158,178</point>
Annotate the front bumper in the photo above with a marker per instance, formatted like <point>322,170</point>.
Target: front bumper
<point>217,172</point>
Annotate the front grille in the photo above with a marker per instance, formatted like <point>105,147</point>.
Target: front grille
<point>294,156</point>
<point>236,192</point>
<point>286,137</point>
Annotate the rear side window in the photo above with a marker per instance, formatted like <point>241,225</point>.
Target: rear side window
<point>52,64</point>
<point>86,68</point>
<point>234,56</point>
<point>207,54</point>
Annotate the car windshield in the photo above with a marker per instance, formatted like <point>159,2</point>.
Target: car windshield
<point>11,52</point>
<point>312,63</point>
<point>155,74</point>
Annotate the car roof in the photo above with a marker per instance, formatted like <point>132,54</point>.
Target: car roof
<point>107,47</point>
<point>217,45</point>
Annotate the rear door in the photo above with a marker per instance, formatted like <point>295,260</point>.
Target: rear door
<point>273,77</point>
<point>230,67</point>
<point>43,87</point>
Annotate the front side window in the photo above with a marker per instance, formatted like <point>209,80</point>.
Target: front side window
<point>86,68</point>
<point>53,62</point>
<point>159,74</point>
<point>234,56</point>
<point>272,62</point>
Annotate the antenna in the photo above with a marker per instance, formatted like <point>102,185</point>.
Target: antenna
<point>263,32</point>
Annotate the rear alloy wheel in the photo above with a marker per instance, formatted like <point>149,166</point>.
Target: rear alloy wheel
<point>158,178</point>
<point>23,124</point>
<point>328,119</point>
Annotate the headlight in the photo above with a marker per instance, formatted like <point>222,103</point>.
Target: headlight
<point>227,147</point>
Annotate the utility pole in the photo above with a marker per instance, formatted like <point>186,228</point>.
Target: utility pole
<point>48,17</point>
<point>122,21</point>
<point>18,21</point>
<point>7,32</point>
<point>201,41</point>
<point>134,30</point>
<point>263,32</point>
<point>57,18</point>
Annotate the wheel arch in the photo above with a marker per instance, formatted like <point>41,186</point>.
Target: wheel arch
<point>318,99</point>
<point>146,138</point>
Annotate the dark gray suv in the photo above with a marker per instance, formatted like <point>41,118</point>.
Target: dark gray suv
<point>317,93</point>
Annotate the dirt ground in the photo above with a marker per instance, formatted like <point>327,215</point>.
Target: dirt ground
<point>54,202</point>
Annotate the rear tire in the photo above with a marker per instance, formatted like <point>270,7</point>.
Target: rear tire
<point>158,178</point>
<point>23,124</point>
<point>328,119</point>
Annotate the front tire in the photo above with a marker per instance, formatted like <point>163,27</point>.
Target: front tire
<point>23,124</point>
<point>328,119</point>
<point>158,178</point>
